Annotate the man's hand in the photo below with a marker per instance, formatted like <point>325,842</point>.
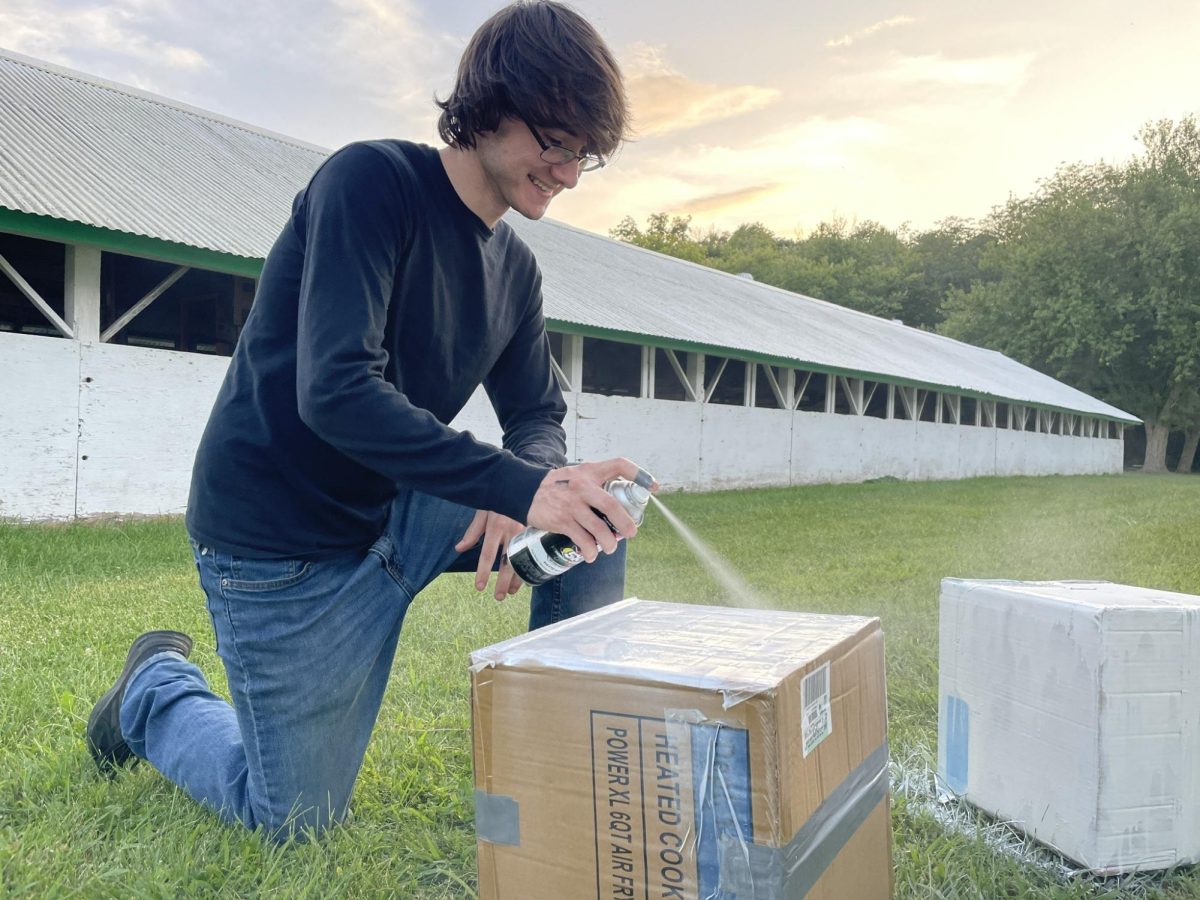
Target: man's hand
<point>568,500</point>
<point>496,531</point>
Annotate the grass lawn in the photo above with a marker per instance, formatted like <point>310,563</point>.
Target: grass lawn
<point>72,598</point>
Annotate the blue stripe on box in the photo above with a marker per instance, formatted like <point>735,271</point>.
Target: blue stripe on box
<point>958,738</point>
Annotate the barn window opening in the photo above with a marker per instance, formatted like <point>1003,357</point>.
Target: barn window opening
<point>875,399</point>
<point>670,375</point>
<point>555,340</point>
<point>927,405</point>
<point>613,368</point>
<point>1002,415</point>
<point>950,408</point>
<point>770,387</point>
<point>844,395</point>
<point>727,383</point>
<point>42,266</point>
<point>969,411</point>
<point>147,303</point>
<point>811,388</point>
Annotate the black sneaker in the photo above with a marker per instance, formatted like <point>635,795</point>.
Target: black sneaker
<point>104,738</point>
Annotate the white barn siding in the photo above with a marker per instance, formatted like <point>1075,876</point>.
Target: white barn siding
<point>976,451</point>
<point>141,414</point>
<point>640,429</point>
<point>938,455</point>
<point>139,419</point>
<point>887,448</point>
<point>827,448</point>
<point>39,425</point>
<point>742,447</point>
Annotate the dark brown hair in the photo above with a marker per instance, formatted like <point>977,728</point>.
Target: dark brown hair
<point>543,62</point>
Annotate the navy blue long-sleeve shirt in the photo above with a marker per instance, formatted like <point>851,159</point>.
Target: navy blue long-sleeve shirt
<point>382,306</point>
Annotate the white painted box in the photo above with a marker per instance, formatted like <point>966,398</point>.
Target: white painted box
<point>1069,708</point>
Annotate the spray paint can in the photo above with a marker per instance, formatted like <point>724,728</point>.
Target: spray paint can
<point>537,555</point>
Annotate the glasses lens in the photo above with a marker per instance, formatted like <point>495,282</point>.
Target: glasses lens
<point>591,164</point>
<point>557,156</point>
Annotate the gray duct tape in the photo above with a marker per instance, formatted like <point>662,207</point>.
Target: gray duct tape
<point>497,819</point>
<point>789,873</point>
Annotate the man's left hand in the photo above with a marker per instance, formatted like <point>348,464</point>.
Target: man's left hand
<point>496,531</point>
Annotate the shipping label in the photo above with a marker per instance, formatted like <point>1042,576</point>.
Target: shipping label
<point>816,714</point>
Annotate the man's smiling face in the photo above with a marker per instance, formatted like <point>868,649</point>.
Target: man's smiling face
<point>516,175</point>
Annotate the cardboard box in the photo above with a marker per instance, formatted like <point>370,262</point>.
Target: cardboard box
<point>650,750</point>
<point>1070,708</point>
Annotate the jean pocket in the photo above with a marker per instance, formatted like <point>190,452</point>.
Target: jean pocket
<point>266,574</point>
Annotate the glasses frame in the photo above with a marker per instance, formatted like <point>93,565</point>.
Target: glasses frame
<point>557,155</point>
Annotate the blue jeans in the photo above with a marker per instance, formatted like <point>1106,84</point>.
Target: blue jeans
<point>308,646</point>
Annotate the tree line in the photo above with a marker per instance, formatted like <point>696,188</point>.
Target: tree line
<point>1093,279</point>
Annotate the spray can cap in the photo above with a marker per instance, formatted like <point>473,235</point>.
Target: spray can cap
<point>644,480</point>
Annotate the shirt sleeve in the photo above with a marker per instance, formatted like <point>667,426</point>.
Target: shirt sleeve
<point>354,232</point>
<point>525,393</point>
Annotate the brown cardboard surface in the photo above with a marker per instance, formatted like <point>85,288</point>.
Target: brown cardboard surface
<point>610,774</point>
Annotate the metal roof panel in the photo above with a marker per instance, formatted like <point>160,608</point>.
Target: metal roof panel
<point>77,148</point>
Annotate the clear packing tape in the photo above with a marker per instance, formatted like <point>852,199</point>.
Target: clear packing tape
<point>717,648</point>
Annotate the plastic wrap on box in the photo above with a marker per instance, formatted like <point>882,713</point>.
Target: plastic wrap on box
<point>665,750</point>
<point>1070,710</point>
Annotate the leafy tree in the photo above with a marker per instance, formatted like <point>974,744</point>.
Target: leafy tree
<point>864,265</point>
<point>664,234</point>
<point>1099,283</point>
<point>948,257</point>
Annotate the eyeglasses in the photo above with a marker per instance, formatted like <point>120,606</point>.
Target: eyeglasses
<point>557,155</point>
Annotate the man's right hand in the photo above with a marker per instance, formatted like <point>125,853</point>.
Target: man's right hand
<point>568,500</point>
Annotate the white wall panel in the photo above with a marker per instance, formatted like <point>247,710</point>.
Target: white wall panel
<point>662,436</point>
<point>741,446</point>
<point>141,415</point>
<point>976,451</point>
<point>1010,452</point>
<point>888,448</point>
<point>937,452</point>
<point>826,448</point>
<point>139,418</point>
<point>39,426</point>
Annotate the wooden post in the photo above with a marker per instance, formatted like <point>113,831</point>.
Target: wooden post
<point>81,291</point>
<point>573,360</point>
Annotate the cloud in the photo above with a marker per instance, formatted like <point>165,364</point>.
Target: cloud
<point>727,199</point>
<point>817,143</point>
<point>44,31</point>
<point>384,53</point>
<point>986,71</point>
<point>728,183</point>
<point>664,100</point>
<point>847,39</point>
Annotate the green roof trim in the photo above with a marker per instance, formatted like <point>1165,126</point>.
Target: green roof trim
<point>613,334</point>
<point>52,229</point>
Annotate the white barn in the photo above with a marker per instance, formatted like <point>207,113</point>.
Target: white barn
<point>132,228</point>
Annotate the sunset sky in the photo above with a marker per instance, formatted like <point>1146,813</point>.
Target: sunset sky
<point>787,114</point>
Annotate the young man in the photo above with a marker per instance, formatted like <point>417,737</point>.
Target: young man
<point>328,489</point>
